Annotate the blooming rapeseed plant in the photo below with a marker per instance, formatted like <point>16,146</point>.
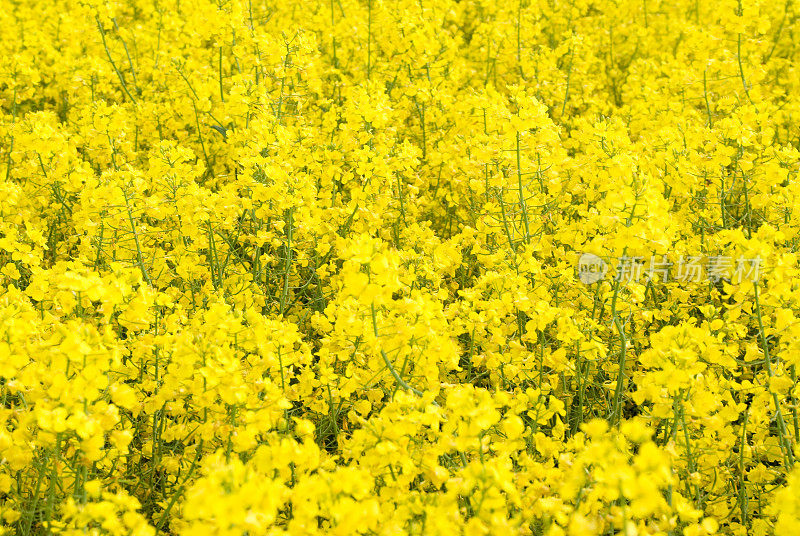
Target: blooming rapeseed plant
<point>309,267</point>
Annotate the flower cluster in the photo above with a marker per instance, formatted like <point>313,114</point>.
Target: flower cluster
<point>304,267</point>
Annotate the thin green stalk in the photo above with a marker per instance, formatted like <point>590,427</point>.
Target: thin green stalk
<point>369,39</point>
<point>175,495</point>
<point>288,264</point>
<point>742,484</point>
<point>128,55</point>
<point>522,196</point>
<point>139,258</point>
<point>705,94</point>
<point>739,60</point>
<point>784,440</point>
<point>569,76</point>
<point>114,65</point>
<point>221,90</point>
<point>400,381</point>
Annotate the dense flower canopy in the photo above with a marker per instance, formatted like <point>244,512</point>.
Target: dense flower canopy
<point>399,266</point>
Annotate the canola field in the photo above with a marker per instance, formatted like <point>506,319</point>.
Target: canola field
<point>381,267</point>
